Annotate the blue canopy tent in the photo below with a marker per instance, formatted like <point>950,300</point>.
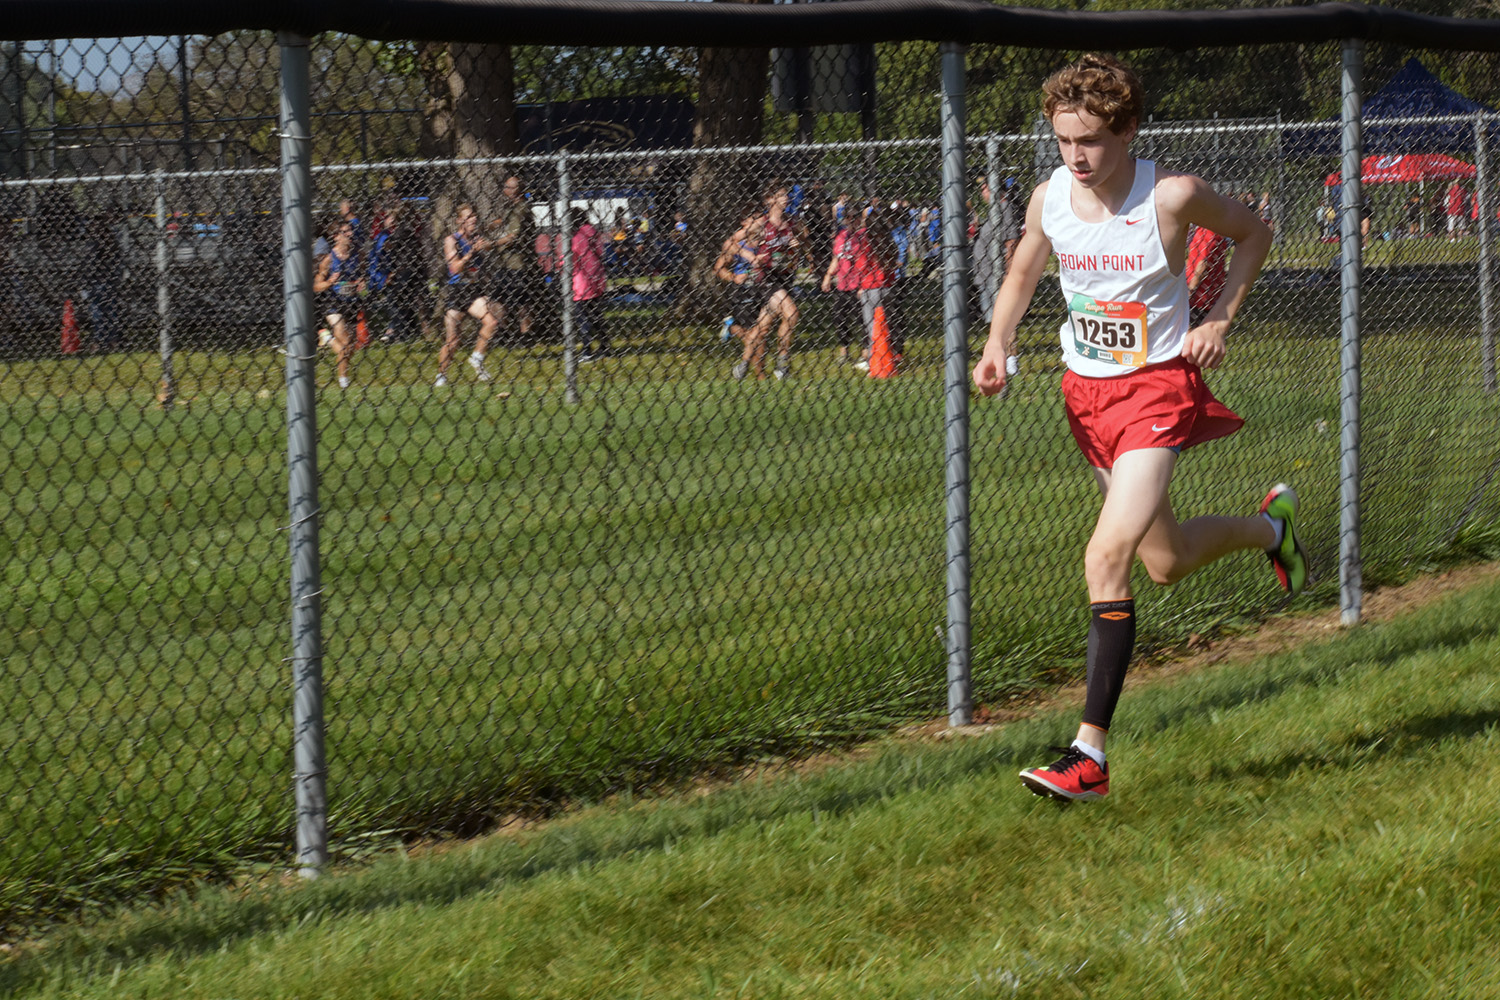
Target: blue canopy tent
<point>1388,131</point>
<point>1413,92</point>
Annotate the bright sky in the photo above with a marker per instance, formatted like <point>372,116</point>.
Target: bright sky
<point>99,64</point>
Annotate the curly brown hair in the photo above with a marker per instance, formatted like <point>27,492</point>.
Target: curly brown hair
<point>1099,84</point>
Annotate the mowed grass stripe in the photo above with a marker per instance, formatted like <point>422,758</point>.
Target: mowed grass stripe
<point>531,712</point>
<point>1274,829</point>
<point>679,571</point>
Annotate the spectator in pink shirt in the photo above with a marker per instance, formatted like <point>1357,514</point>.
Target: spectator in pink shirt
<point>839,282</point>
<point>589,285</point>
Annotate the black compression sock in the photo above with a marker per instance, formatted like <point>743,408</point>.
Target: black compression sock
<point>1111,643</point>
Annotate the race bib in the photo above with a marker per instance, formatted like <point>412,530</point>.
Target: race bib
<point>1112,332</point>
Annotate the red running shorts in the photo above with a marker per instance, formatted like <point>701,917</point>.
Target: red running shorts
<point>1166,405</point>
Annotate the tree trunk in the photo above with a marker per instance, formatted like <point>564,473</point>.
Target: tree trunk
<point>470,112</point>
<point>730,110</point>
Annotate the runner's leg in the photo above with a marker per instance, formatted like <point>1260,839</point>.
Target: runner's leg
<point>1134,494</point>
<point>754,334</point>
<point>342,345</point>
<point>1136,519</point>
<point>788,310</point>
<point>452,319</point>
<point>755,341</point>
<point>488,313</point>
<point>1171,551</point>
<point>1135,491</point>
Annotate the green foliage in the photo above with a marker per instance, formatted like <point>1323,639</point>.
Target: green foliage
<point>528,602</point>
<point>1274,828</point>
<point>377,90</point>
<point>550,73</point>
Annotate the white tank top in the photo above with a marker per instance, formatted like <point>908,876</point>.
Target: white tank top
<point>1126,308</point>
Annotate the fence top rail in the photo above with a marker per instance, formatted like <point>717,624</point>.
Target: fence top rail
<point>140,177</point>
<point>1154,130</point>
<point>654,22</point>
<point>636,155</point>
<point>505,161</point>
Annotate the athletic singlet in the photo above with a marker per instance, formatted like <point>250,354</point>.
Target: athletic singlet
<point>1125,307</point>
<point>738,264</point>
<point>773,261</point>
<point>471,269</point>
<point>343,284</point>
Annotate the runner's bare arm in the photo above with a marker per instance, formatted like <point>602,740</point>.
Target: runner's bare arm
<point>828,276</point>
<point>455,260</point>
<point>322,276</point>
<point>1015,295</point>
<point>727,253</point>
<point>798,245</point>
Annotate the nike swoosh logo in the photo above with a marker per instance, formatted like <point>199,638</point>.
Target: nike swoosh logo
<point>1131,222</point>
<point>1087,785</point>
<point>1157,430</point>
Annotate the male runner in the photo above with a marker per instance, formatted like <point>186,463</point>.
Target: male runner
<point>463,254</point>
<point>1134,393</point>
<point>734,266</point>
<point>337,285</point>
<point>778,240</point>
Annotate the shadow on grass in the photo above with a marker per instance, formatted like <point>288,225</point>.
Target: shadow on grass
<point>1394,741</point>
<point>184,927</point>
<point>1318,666</point>
<point>218,918</point>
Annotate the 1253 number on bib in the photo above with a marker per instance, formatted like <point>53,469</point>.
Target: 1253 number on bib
<point>1112,332</point>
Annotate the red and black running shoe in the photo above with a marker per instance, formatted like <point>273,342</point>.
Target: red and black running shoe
<point>1073,777</point>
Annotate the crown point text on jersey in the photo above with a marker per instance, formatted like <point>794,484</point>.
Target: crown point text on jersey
<point>1102,262</point>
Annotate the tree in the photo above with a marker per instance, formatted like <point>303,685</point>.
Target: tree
<point>732,88</point>
<point>469,111</point>
<point>553,73</point>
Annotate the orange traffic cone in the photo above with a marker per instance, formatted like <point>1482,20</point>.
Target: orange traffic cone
<point>882,362</point>
<point>70,339</point>
<point>361,332</point>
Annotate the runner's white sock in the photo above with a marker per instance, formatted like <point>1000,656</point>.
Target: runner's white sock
<point>1278,526</point>
<point>1094,752</point>
<point>476,356</point>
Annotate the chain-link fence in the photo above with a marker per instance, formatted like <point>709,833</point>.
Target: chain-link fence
<point>623,411</point>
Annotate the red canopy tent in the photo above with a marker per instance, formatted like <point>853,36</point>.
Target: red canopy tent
<point>1409,169</point>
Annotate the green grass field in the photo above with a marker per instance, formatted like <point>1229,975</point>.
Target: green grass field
<point>1315,824</point>
<point>528,602</point>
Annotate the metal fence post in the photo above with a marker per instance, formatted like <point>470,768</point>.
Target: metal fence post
<point>992,173</point>
<point>956,385</point>
<point>565,274</point>
<point>996,248</point>
<point>168,390</point>
<point>1350,252</point>
<point>1279,206</point>
<point>1485,224</point>
<point>302,458</point>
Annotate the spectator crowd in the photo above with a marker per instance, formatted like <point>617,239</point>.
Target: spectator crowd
<point>386,272</point>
